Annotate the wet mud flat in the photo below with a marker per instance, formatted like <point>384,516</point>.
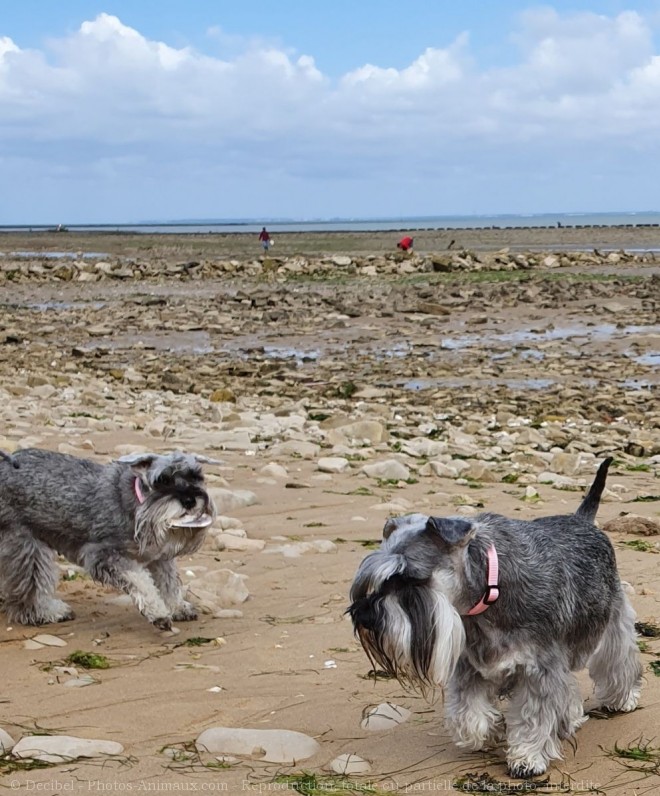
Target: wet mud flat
<point>543,340</point>
<point>67,244</point>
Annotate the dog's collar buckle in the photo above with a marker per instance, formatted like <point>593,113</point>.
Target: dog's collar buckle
<point>139,494</point>
<point>492,579</point>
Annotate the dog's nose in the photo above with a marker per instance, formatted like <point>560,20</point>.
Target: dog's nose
<point>188,501</point>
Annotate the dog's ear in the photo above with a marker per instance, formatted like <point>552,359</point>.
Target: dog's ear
<point>139,461</point>
<point>405,521</point>
<point>452,531</point>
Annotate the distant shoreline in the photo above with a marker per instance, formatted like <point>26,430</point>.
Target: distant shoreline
<point>575,221</point>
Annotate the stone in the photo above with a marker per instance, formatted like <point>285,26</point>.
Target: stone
<point>369,432</point>
<point>333,464</point>
<point>297,549</point>
<point>633,523</point>
<point>231,542</point>
<point>349,764</point>
<point>566,463</point>
<point>271,746</point>
<point>274,470</point>
<point>342,260</point>
<point>227,500</point>
<point>296,448</point>
<point>49,641</point>
<point>558,481</point>
<point>6,742</point>
<point>384,717</point>
<point>222,395</point>
<point>63,748</point>
<point>440,469</point>
<point>217,590</point>
<point>388,470</point>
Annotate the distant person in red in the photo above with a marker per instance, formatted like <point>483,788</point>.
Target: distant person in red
<point>405,244</point>
<point>264,237</point>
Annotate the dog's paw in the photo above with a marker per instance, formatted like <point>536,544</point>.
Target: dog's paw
<point>626,705</point>
<point>186,612</point>
<point>163,622</point>
<point>524,769</point>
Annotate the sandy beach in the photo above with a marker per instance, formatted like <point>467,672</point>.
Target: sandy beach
<point>496,386</point>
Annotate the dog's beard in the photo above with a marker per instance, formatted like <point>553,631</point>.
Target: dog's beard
<point>413,634</point>
<point>163,524</point>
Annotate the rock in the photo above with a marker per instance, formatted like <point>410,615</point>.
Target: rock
<point>566,463</point>
<point>363,432</point>
<point>63,748</point>
<point>384,717</point>
<point>531,495</point>
<point>219,589</point>
<point>80,682</point>
<point>223,395</point>
<point>430,308</point>
<point>99,331</point>
<point>272,746</point>
<point>229,541</point>
<point>275,470</point>
<point>297,549</point>
<point>480,471</point>
<point>389,470</point>
<point>633,523</point>
<point>6,742</point>
<point>49,641</point>
<point>348,764</point>
<point>299,448</point>
<point>440,469</point>
<point>333,464</point>
<point>342,260</point>
<point>229,500</point>
<point>558,481</point>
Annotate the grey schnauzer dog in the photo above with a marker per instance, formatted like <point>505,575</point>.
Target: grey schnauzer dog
<point>490,607</point>
<point>124,523</point>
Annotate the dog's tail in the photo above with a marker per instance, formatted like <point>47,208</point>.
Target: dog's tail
<point>589,505</point>
<point>9,458</point>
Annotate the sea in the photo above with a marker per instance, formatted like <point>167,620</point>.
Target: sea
<point>274,225</point>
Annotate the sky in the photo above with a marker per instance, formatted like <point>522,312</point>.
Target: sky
<point>121,111</point>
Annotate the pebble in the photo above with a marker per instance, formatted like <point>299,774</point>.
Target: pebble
<point>6,742</point>
<point>63,748</point>
<point>384,717</point>
<point>272,746</point>
<point>49,641</point>
<point>388,470</point>
<point>349,764</point>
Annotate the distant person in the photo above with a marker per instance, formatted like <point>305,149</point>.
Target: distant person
<point>405,244</point>
<point>264,237</point>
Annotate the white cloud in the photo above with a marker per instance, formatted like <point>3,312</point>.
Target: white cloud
<point>106,99</point>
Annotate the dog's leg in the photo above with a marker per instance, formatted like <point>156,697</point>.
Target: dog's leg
<point>28,579</point>
<point>124,574</point>
<point>168,583</point>
<point>543,709</point>
<point>470,711</point>
<point>615,667</point>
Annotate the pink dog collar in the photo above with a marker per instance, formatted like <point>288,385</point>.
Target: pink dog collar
<point>492,592</point>
<point>138,491</point>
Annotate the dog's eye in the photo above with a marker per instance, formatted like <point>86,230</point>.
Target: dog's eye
<point>163,480</point>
